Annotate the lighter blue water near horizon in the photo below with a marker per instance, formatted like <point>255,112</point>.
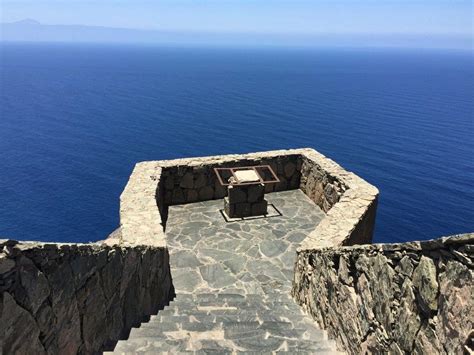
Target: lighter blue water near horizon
<point>75,119</point>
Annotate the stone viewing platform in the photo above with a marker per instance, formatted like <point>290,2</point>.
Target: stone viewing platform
<point>181,275</point>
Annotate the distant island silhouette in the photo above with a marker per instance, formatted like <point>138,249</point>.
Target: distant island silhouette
<point>26,22</point>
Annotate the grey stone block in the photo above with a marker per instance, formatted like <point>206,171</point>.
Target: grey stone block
<point>259,208</point>
<point>187,182</point>
<point>290,169</point>
<point>201,181</point>
<point>178,196</point>
<point>255,193</point>
<point>219,190</point>
<point>169,183</point>
<point>229,208</point>
<point>236,194</point>
<point>243,209</point>
<point>191,195</point>
<point>206,193</point>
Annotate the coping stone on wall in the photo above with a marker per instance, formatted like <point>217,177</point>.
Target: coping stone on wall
<point>140,219</point>
<point>228,158</point>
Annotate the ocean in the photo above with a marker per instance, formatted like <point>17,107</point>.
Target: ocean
<point>75,118</point>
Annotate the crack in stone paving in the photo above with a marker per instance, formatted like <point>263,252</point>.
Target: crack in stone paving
<point>254,256</point>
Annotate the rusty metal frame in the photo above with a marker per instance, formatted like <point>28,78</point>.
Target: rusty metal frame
<point>254,168</point>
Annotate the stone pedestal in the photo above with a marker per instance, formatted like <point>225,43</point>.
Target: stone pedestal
<point>245,201</point>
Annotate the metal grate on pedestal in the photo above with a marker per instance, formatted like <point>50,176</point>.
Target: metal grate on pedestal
<point>265,174</point>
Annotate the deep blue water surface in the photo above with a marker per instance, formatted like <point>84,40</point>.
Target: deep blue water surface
<point>76,118</point>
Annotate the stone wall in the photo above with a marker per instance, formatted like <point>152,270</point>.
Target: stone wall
<point>142,211</point>
<point>193,180</point>
<point>404,298</point>
<point>319,185</point>
<point>77,298</point>
<point>349,201</point>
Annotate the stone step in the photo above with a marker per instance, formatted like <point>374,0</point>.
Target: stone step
<point>274,344</point>
<point>228,324</point>
<point>231,329</point>
<point>276,329</point>
<point>233,297</point>
<point>259,343</point>
<point>278,297</point>
<point>219,311</point>
<point>253,342</point>
<point>212,318</point>
<point>306,333</point>
<point>273,306</point>
<point>150,345</point>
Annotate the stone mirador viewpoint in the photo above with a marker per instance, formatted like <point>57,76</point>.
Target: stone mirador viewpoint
<point>258,253</point>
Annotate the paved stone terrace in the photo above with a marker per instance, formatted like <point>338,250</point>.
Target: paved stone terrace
<point>252,256</point>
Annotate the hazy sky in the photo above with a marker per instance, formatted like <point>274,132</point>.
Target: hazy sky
<point>263,16</point>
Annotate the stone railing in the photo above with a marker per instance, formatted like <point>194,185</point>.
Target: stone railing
<point>77,298</point>
<point>408,298</point>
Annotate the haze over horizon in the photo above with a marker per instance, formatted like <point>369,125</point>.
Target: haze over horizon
<point>364,22</point>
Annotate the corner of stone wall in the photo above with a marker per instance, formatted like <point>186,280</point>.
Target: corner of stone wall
<point>140,218</point>
<point>349,201</point>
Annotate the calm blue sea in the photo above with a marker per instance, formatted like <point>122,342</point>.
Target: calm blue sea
<point>76,118</point>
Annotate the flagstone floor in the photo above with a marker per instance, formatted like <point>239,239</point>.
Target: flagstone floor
<point>253,256</point>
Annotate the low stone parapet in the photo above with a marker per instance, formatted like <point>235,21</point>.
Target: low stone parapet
<point>349,201</point>
<point>414,297</point>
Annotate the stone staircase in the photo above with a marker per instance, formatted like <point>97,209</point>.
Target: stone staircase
<point>228,323</point>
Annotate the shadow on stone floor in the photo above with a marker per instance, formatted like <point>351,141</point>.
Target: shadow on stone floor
<point>272,212</point>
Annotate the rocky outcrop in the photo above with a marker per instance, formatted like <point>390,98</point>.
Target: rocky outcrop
<point>77,298</point>
<point>412,297</point>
